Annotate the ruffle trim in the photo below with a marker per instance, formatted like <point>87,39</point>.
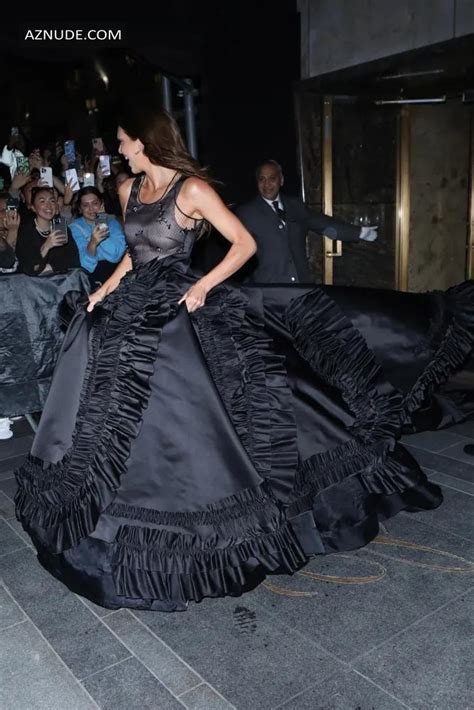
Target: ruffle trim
<point>246,502</point>
<point>371,460</point>
<point>337,351</point>
<point>454,349</point>
<point>380,469</point>
<point>251,380</point>
<point>226,549</point>
<point>161,564</point>
<point>62,502</point>
<point>237,369</point>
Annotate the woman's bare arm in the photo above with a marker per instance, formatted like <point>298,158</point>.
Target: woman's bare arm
<point>123,266</point>
<point>200,200</point>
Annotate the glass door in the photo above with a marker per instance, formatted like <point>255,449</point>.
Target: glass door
<point>360,176</point>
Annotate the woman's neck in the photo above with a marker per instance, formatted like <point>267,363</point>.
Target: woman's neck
<point>158,178</point>
<point>42,223</point>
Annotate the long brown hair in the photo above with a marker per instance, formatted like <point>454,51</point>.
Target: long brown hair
<point>161,138</point>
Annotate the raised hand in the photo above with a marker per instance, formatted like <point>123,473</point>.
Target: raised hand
<point>12,221</point>
<point>19,181</point>
<point>68,193</point>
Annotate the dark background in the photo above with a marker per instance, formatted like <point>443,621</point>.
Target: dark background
<point>243,58</point>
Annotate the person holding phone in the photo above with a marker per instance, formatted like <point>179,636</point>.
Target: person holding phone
<point>99,237</point>
<point>12,151</point>
<point>70,152</point>
<point>9,225</point>
<point>41,247</point>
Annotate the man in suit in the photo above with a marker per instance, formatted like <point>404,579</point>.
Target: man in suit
<point>280,224</point>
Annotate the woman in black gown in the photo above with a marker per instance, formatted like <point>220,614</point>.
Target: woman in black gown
<point>196,436</point>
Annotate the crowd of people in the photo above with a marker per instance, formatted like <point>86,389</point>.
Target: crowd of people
<point>58,212</point>
<point>71,223</point>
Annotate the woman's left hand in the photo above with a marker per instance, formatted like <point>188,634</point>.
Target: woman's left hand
<point>195,297</point>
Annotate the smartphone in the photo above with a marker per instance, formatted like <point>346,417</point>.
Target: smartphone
<point>89,179</point>
<point>46,175</point>
<point>12,204</point>
<point>23,165</point>
<point>102,221</point>
<point>102,218</point>
<point>72,177</point>
<point>98,144</point>
<point>61,224</point>
<point>70,152</point>
<point>105,164</point>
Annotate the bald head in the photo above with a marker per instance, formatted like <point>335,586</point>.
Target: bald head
<point>269,179</point>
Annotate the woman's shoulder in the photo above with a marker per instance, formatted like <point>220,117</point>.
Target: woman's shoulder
<point>77,224</point>
<point>195,188</point>
<point>193,182</point>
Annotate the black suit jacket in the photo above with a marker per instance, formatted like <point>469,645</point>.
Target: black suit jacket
<point>281,246</point>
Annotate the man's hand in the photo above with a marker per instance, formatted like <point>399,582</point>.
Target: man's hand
<point>368,234</point>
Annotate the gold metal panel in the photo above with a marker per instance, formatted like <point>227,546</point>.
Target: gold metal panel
<point>402,239</point>
<point>470,230</point>
<point>328,244</point>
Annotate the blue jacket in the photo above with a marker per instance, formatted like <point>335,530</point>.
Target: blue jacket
<point>111,249</point>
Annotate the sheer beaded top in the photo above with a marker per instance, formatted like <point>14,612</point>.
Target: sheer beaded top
<point>158,229</point>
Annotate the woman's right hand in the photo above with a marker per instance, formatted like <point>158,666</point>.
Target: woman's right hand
<point>55,239</point>
<point>100,232</point>
<point>11,223</point>
<point>95,298</point>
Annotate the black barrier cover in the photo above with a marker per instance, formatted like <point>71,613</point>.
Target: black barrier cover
<point>31,337</point>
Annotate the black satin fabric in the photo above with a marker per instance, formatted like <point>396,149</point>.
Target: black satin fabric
<point>401,329</point>
<point>181,456</point>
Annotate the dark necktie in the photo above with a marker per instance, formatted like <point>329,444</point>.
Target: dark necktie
<point>278,210</point>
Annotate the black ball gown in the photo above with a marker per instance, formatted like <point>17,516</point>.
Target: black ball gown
<point>182,456</point>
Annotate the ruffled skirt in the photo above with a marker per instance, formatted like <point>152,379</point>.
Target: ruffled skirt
<point>182,456</point>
